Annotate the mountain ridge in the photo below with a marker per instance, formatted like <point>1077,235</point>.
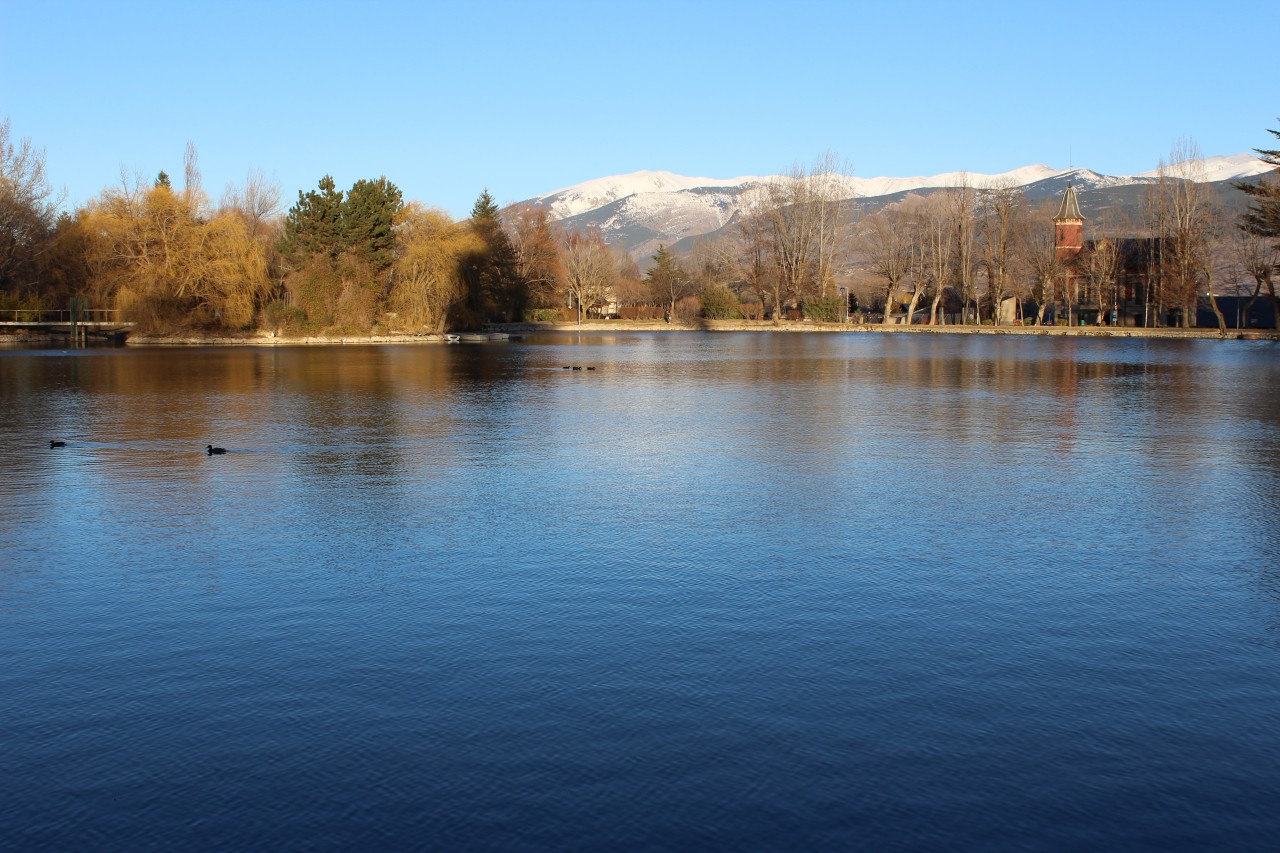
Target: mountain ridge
<point>640,210</point>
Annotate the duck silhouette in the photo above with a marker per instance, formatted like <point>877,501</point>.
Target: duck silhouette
<point>214,451</point>
<point>53,444</point>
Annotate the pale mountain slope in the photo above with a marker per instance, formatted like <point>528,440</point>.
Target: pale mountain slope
<point>644,209</point>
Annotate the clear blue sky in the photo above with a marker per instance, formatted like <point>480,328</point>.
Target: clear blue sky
<point>527,97</point>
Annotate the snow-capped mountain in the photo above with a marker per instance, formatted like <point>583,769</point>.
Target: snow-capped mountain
<point>643,209</point>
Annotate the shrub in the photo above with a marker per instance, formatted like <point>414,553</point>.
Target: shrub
<point>640,312</point>
<point>720,303</point>
<point>825,309</point>
<point>688,309</point>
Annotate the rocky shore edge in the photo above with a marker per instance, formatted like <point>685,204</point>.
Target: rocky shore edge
<point>611,326</point>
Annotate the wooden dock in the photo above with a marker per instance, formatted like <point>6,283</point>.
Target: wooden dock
<point>79,324</point>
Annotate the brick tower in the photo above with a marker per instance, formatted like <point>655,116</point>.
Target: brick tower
<point>1068,232</point>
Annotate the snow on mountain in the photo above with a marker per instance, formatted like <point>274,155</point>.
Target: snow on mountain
<point>643,209</point>
<point>589,195</point>
<point>1228,168</point>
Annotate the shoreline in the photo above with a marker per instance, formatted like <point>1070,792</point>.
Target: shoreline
<point>612,326</point>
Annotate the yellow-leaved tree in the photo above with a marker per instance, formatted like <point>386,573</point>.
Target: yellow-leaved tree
<point>427,282</point>
<point>167,263</point>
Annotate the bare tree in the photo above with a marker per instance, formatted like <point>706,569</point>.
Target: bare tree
<point>258,200</point>
<point>887,241</point>
<point>192,192</point>
<point>589,269</point>
<point>1002,220</point>
<point>1177,207</point>
<point>1043,259</point>
<point>534,241</point>
<point>1260,260</point>
<point>803,214</point>
<point>939,246</point>
<point>28,208</point>
<point>759,272</point>
<point>963,223</point>
<point>1102,265</point>
<point>1211,257</point>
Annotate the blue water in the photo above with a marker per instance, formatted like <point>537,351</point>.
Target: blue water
<point>724,592</point>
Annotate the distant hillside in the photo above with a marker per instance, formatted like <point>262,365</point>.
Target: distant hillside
<point>644,209</point>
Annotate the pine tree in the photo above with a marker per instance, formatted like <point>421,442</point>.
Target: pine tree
<point>162,180</point>
<point>368,220</point>
<point>667,282</point>
<point>494,289</point>
<point>485,208</point>
<point>1263,216</point>
<point>314,225</point>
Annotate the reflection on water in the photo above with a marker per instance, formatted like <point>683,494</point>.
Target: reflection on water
<point>730,590</point>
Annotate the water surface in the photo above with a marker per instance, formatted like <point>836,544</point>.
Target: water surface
<point>726,591</point>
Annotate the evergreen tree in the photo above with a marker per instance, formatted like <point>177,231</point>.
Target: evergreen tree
<point>485,208</point>
<point>368,220</point>
<point>1263,220</point>
<point>314,225</point>
<point>1263,216</point>
<point>494,289</point>
<point>667,282</point>
<point>162,180</point>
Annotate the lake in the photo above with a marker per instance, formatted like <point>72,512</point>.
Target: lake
<point>739,591</point>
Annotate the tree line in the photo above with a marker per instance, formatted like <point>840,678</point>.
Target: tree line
<point>989,255</point>
<point>364,260</point>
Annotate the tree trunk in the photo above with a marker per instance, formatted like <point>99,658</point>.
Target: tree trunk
<point>933,309</point>
<point>911,309</point>
<point>1217,312</point>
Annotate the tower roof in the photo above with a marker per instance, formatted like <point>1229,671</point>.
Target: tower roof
<point>1070,208</point>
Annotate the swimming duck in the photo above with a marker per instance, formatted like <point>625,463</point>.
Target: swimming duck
<point>214,451</point>
<point>53,444</point>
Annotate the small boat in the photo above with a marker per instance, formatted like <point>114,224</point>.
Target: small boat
<point>452,339</point>
<point>482,337</point>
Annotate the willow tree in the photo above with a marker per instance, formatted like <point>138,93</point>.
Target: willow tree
<point>165,261</point>
<point>427,279</point>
